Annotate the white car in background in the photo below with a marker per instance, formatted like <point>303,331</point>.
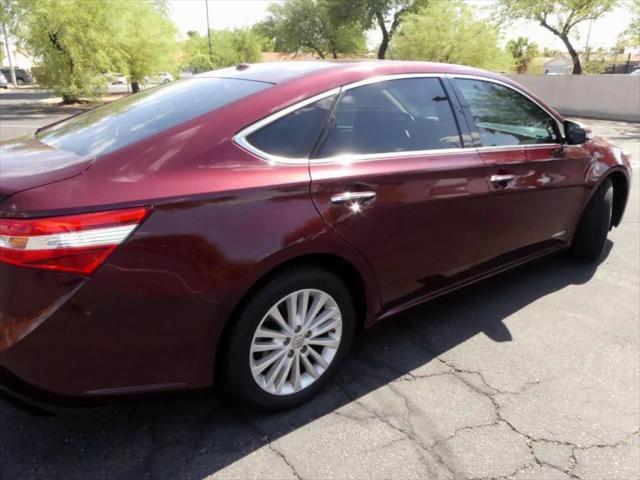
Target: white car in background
<point>159,78</point>
<point>116,83</point>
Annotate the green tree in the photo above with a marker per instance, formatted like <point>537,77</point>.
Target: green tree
<point>195,53</point>
<point>446,31</point>
<point>148,40</point>
<point>309,25</point>
<point>524,51</point>
<point>229,47</point>
<point>558,16</point>
<point>595,66</point>
<point>77,41</point>
<point>263,32</point>
<point>385,15</point>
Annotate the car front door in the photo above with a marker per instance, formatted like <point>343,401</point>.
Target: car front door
<point>536,182</point>
<point>391,177</point>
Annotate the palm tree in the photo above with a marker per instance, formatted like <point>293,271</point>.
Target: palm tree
<point>523,51</point>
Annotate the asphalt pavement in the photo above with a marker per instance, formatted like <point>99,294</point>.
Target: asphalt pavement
<point>23,110</point>
<point>534,374</point>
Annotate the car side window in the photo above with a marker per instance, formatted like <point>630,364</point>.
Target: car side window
<point>506,117</point>
<point>295,134</point>
<point>411,114</point>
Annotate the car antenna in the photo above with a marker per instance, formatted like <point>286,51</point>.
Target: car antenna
<point>242,66</point>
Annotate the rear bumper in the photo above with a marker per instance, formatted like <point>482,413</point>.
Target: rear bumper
<point>73,341</point>
<point>30,399</point>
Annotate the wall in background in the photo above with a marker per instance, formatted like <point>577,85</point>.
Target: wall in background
<point>610,97</point>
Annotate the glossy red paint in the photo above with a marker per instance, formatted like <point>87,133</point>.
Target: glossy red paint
<point>152,316</point>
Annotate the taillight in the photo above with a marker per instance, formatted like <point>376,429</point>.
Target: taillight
<point>73,243</point>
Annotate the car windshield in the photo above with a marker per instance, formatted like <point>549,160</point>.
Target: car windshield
<point>131,119</point>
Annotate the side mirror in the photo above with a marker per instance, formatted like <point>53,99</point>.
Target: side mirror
<point>575,134</point>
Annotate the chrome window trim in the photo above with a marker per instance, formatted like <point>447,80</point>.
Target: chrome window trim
<point>241,137</point>
<point>526,146</point>
<point>517,90</point>
<point>348,158</point>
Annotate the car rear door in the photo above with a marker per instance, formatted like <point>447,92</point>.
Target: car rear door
<point>391,177</point>
<point>536,182</point>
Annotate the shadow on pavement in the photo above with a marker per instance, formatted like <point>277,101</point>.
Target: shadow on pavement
<point>196,436</point>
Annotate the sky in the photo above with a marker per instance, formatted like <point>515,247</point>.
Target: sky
<point>226,14</point>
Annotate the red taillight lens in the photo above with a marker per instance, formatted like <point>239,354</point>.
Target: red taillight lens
<point>74,243</point>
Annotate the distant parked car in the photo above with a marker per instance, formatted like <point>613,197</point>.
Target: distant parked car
<point>3,81</point>
<point>159,78</point>
<point>635,72</point>
<point>116,78</point>
<point>116,83</point>
<point>22,76</point>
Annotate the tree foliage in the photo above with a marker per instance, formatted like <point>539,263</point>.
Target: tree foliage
<point>147,39</point>
<point>560,17</point>
<point>630,37</point>
<point>595,66</point>
<point>228,47</point>
<point>524,51</point>
<point>70,46</point>
<point>310,25</point>
<point>77,41</point>
<point>385,15</point>
<point>446,31</point>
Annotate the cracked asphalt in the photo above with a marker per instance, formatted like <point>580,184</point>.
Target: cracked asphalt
<point>534,374</point>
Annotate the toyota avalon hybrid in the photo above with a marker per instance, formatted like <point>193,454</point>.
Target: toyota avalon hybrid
<point>239,227</point>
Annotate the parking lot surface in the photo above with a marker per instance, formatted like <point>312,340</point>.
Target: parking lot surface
<point>534,374</point>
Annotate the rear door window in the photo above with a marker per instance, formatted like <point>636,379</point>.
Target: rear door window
<point>505,117</point>
<point>133,118</point>
<point>403,115</point>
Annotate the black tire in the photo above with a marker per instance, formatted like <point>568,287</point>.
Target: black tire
<point>238,379</point>
<point>591,235</point>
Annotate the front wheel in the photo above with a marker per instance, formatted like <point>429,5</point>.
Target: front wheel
<point>591,235</point>
<point>289,339</point>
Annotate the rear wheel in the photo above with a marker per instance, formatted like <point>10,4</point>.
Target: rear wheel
<point>289,339</point>
<point>591,235</point>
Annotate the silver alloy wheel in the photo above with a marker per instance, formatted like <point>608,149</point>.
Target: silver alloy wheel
<point>295,342</point>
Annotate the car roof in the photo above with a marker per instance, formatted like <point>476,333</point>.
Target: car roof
<point>281,72</point>
<point>275,72</point>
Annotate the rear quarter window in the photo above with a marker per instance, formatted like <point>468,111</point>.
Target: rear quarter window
<point>136,117</point>
<point>294,135</point>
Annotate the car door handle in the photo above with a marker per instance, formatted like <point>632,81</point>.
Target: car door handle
<point>502,179</point>
<point>352,196</point>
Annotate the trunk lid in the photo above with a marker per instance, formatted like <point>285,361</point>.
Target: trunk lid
<point>31,163</point>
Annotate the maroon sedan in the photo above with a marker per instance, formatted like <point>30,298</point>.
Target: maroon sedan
<point>242,225</point>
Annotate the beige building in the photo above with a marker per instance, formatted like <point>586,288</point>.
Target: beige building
<point>19,57</point>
